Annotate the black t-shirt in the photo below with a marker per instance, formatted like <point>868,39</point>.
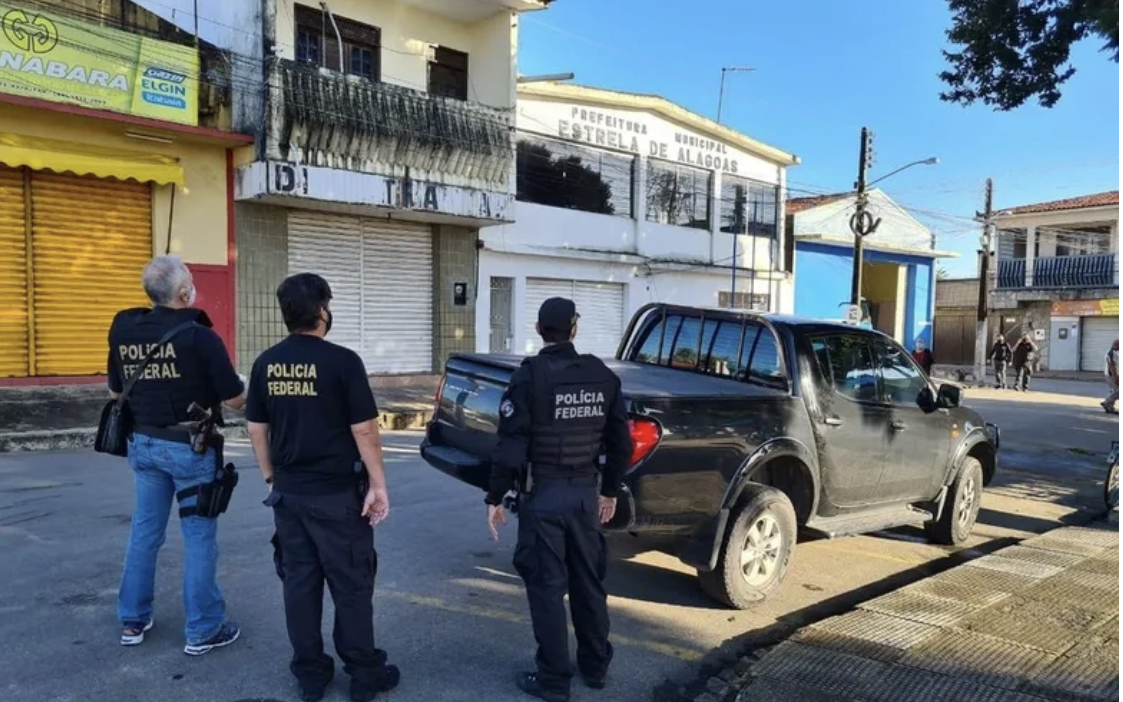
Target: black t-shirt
<point>310,391</point>
<point>192,367</point>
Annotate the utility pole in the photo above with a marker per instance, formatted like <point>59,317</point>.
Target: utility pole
<point>862,222</point>
<point>733,261</point>
<point>987,217</point>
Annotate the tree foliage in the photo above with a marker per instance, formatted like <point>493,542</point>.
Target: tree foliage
<point>560,181</point>
<point>1007,52</point>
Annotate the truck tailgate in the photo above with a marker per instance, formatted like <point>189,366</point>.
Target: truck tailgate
<point>461,437</point>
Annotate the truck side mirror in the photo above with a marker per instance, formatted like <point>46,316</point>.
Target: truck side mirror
<point>948,396</point>
<point>926,400</point>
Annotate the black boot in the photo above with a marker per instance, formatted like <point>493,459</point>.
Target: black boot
<point>386,681</point>
<point>531,685</point>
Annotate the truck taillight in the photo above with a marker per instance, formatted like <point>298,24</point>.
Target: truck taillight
<point>645,436</point>
<point>440,391</point>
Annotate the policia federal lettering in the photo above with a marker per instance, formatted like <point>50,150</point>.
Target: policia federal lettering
<point>561,419</point>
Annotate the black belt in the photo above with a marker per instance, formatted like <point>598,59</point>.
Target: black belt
<point>177,433</point>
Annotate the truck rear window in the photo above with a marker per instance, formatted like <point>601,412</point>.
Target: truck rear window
<point>743,350</point>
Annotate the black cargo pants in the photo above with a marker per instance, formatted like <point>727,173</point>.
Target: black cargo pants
<point>1024,374</point>
<point>561,549</point>
<point>325,537</point>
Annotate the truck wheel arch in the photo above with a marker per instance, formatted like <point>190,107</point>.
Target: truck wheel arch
<point>977,446</point>
<point>785,464</point>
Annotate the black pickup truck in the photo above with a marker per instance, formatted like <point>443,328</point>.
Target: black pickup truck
<point>749,427</point>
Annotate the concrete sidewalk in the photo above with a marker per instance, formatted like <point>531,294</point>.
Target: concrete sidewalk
<point>1033,622</point>
<point>66,417</point>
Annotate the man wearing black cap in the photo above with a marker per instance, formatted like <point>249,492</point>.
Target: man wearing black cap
<point>562,415</point>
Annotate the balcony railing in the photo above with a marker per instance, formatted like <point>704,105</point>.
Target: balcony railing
<point>1060,272</point>
<point>326,118</point>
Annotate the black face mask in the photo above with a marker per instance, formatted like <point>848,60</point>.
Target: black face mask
<point>327,323</point>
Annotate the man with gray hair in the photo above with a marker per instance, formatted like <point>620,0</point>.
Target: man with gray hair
<point>166,359</point>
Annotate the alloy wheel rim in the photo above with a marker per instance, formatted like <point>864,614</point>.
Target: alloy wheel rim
<point>967,502</point>
<point>760,553</point>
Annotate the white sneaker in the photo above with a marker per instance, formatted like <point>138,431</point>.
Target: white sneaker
<point>128,639</point>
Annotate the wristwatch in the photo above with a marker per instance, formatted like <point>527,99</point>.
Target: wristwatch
<point>269,480</point>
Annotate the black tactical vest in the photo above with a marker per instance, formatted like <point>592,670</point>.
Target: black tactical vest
<point>177,374</point>
<point>571,399</point>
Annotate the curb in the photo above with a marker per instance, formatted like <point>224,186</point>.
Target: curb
<point>726,674</point>
<point>83,437</point>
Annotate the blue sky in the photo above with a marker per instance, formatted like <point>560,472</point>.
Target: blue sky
<point>830,67</point>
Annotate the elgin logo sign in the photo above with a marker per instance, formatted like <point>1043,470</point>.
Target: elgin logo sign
<point>57,58</point>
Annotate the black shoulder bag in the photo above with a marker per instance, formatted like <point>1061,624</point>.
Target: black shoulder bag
<point>116,423</point>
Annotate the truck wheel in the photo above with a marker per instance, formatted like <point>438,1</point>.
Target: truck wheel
<point>962,508</point>
<point>757,549</point>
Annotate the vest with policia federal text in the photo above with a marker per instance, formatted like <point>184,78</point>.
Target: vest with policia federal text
<point>571,399</point>
<point>177,374</point>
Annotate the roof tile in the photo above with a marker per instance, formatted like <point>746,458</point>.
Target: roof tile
<point>1072,203</point>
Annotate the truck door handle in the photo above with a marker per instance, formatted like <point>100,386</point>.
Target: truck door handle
<point>898,425</point>
<point>832,421</point>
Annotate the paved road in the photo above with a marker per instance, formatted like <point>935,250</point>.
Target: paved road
<point>449,608</point>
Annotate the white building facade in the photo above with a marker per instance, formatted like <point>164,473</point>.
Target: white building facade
<point>623,200</point>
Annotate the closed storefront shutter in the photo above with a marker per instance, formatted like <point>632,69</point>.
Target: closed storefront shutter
<point>397,297</point>
<point>331,246</point>
<point>601,306</point>
<point>381,280</point>
<point>13,275</point>
<point>91,239</point>
<point>1096,337</point>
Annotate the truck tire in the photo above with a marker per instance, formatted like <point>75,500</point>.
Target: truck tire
<point>756,551</point>
<point>961,508</point>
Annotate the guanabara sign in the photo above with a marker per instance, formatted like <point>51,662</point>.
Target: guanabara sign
<point>57,58</point>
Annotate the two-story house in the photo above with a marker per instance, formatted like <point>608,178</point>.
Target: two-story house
<point>625,199</point>
<point>115,145</point>
<point>1056,275</point>
<point>385,144</point>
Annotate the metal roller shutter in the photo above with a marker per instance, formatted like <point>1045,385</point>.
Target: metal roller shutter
<point>91,238</point>
<point>1096,337</point>
<point>14,350</point>
<point>397,297</point>
<point>381,281</point>
<point>331,246</point>
<point>601,306</point>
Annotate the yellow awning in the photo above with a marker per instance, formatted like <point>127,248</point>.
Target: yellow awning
<point>40,153</point>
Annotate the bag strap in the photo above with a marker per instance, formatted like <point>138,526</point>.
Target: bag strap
<point>148,359</point>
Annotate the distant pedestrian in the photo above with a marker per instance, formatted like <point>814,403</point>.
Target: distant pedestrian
<point>1111,370</point>
<point>1023,357</point>
<point>923,357</point>
<point>1000,354</point>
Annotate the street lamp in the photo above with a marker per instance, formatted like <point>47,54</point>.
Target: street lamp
<point>863,223</point>
<point>931,161</point>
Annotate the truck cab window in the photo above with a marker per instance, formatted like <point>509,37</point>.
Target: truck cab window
<point>901,380</point>
<point>684,354</point>
<point>849,366</point>
<point>724,355</point>
<point>760,357</point>
<point>656,347</point>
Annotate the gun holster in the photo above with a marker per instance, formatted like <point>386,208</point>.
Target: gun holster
<point>213,498</point>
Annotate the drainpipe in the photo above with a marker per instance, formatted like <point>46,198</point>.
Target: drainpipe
<point>338,37</point>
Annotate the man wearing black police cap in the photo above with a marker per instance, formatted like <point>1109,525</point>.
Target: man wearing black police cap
<point>313,423</point>
<point>561,418</point>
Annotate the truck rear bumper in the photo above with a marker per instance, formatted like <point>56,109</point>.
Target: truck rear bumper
<point>463,466</point>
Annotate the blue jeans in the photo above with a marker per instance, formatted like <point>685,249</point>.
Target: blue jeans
<point>162,468</point>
